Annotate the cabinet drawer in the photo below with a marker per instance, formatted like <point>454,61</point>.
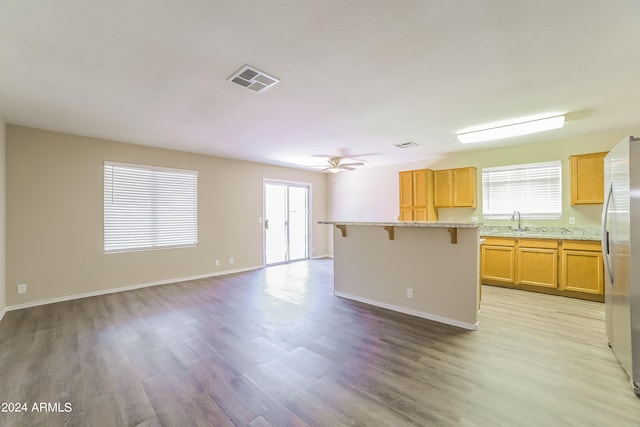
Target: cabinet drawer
<point>538,243</point>
<point>499,241</point>
<point>582,245</point>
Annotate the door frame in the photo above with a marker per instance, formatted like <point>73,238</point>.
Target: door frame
<point>287,183</point>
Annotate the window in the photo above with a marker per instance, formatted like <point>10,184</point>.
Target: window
<point>149,208</point>
<point>534,190</point>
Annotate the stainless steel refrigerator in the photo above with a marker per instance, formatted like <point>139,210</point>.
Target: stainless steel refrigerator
<point>621,251</point>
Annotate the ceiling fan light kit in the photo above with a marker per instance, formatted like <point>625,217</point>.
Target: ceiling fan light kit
<point>335,166</point>
<point>511,128</point>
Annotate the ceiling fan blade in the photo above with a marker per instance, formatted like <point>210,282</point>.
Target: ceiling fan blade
<point>352,164</point>
<point>345,167</point>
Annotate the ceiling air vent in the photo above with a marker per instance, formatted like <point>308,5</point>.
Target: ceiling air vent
<point>406,144</point>
<point>253,79</point>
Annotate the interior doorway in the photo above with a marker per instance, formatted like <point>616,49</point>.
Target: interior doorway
<point>286,222</point>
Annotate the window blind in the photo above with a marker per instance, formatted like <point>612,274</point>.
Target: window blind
<point>146,207</point>
<point>534,190</point>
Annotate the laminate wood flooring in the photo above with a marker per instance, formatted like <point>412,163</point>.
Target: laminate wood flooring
<point>274,347</point>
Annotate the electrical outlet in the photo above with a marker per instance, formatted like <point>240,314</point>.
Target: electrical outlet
<point>217,262</point>
<point>22,288</point>
<point>572,220</point>
<point>409,292</point>
<point>231,260</point>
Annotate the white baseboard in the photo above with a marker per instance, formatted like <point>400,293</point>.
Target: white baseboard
<point>2,313</point>
<point>322,256</point>
<point>125,288</point>
<point>436,318</point>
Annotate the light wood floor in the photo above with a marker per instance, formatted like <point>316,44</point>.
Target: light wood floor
<point>273,347</point>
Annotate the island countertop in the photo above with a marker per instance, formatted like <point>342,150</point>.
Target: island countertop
<point>431,224</point>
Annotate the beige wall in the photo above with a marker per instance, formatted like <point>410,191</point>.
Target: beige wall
<point>372,193</point>
<point>55,215</point>
<point>369,267</point>
<point>2,219</point>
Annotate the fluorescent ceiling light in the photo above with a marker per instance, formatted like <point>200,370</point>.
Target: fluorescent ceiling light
<point>509,128</point>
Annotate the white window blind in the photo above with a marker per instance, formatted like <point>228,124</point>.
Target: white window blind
<point>534,190</point>
<point>149,208</point>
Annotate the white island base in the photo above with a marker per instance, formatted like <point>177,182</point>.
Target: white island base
<point>425,269</point>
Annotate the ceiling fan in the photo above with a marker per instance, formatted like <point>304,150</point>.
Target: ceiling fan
<point>336,166</point>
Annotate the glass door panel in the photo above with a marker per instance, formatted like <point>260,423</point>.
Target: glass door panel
<point>275,223</point>
<point>298,223</point>
<point>286,222</point>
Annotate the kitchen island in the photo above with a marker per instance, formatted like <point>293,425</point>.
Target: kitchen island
<point>426,269</point>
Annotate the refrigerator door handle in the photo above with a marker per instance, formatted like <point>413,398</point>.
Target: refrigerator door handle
<point>606,239</point>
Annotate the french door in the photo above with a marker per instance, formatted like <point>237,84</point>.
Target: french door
<point>286,222</point>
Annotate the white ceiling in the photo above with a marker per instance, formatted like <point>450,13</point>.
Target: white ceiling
<point>357,76</point>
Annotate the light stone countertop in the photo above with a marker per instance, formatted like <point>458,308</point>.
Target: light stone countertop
<point>559,233</point>
<point>425,224</point>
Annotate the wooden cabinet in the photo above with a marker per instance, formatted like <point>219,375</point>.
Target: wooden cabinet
<point>455,187</point>
<point>587,178</point>
<point>537,262</point>
<point>498,260</point>
<point>520,261</point>
<point>406,196</point>
<point>442,189</point>
<point>582,267</point>
<point>464,187</point>
<point>416,196</point>
<point>561,267</point>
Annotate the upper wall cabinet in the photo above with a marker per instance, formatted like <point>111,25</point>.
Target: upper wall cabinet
<point>416,196</point>
<point>455,188</point>
<point>587,178</point>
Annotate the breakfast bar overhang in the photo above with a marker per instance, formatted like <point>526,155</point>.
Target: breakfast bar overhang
<point>425,269</point>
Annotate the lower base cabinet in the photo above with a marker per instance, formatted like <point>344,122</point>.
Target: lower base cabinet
<point>498,260</point>
<point>561,267</point>
<point>537,263</point>
<point>582,267</point>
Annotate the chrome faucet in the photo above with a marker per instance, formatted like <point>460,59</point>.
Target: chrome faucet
<point>513,218</point>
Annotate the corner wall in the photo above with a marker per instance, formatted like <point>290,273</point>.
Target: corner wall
<point>3,227</point>
<point>55,241</point>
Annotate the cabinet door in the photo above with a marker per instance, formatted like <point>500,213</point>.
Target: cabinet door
<point>420,188</point>
<point>464,187</point>
<point>582,271</point>
<point>538,266</point>
<point>498,263</point>
<point>442,188</point>
<point>416,196</point>
<point>406,214</point>
<point>406,190</point>
<point>420,214</point>
<point>587,178</point>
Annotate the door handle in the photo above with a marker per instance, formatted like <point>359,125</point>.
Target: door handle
<point>606,237</point>
<point>266,224</point>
